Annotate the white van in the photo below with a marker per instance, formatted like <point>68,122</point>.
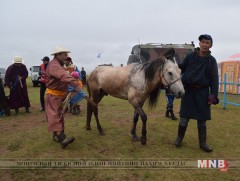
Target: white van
<point>2,75</point>
<point>34,74</point>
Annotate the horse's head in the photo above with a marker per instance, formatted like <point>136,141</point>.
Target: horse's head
<point>171,77</point>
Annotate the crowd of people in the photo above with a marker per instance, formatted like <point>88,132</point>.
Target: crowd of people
<point>60,77</point>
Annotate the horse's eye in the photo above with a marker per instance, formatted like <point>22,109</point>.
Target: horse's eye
<point>170,73</point>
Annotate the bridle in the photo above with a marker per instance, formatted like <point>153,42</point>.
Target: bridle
<point>168,85</point>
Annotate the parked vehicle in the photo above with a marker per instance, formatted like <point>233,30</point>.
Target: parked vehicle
<point>34,74</point>
<point>152,51</point>
<point>2,75</point>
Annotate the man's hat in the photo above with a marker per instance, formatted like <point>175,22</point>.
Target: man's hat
<point>60,50</point>
<point>205,36</point>
<point>17,59</point>
<point>46,59</point>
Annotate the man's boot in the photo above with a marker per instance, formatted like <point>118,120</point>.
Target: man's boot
<point>181,133</point>
<point>167,114</point>
<point>73,111</point>
<point>78,110</point>
<point>172,115</point>
<point>55,137</point>
<point>43,108</point>
<point>17,111</point>
<point>202,136</point>
<point>27,110</point>
<point>61,138</point>
<point>167,111</point>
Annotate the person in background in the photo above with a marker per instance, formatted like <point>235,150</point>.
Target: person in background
<point>200,80</point>
<point>42,73</point>
<point>4,106</point>
<point>58,81</point>
<point>83,74</point>
<point>170,100</point>
<point>15,80</point>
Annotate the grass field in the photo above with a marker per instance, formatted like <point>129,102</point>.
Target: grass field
<point>25,136</point>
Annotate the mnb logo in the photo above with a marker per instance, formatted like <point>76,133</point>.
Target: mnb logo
<point>212,164</point>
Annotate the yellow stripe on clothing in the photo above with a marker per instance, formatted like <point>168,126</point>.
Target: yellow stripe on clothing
<point>56,92</point>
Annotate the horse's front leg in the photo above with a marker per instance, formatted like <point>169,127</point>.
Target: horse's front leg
<point>133,130</point>
<point>143,116</point>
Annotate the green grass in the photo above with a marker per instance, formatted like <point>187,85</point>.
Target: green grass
<point>25,136</point>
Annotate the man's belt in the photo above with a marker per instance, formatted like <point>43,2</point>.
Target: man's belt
<point>195,86</point>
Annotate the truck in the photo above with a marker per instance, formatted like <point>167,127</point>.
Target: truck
<point>34,74</point>
<point>152,51</point>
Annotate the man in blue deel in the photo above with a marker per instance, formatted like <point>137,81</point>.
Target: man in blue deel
<point>200,79</point>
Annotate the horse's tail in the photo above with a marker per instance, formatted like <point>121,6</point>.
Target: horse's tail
<point>153,98</point>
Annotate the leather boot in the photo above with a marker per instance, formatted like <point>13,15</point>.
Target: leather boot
<point>17,111</point>
<point>43,108</point>
<point>181,133</point>
<point>167,114</point>
<point>202,136</point>
<point>27,110</point>
<point>55,137</point>
<point>61,138</point>
<point>172,115</point>
<point>73,111</point>
<point>77,110</point>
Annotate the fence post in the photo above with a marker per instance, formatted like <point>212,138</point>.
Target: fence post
<point>225,91</point>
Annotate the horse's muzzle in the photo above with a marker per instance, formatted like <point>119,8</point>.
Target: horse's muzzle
<point>180,94</point>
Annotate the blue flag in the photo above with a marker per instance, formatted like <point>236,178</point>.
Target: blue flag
<point>99,55</point>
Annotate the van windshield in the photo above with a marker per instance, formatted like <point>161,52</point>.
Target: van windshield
<point>35,68</point>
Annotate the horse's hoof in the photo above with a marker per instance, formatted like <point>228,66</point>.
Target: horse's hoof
<point>135,138</point>
<point>143,141</point>
<point>101,132</point>
<point>88,128</point>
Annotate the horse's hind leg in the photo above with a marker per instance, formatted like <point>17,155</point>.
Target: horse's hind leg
<point>133,130</point>
<point>97,99</point>
<point>143,116</point>
<point>89,116</point>
<point>100,130</point>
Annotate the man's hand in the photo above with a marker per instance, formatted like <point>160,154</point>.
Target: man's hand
<point>212,99</point>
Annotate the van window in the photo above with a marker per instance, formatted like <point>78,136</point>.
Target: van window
<point>35,69</point>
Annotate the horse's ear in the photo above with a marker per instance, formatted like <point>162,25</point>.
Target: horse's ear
<point>169,54</point>
<point>162,58</point>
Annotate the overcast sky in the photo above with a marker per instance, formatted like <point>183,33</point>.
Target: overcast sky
<point>33,28</point>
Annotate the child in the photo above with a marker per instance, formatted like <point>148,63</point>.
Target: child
<point>77,97</point>
<point>74,105</point>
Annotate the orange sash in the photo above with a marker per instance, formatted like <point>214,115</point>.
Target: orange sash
<point>56,92</point>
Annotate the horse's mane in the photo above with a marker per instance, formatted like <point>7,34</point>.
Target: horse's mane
<point>150,68</point>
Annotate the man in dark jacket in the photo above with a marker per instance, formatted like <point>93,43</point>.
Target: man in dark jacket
<point>200,79</point>
<point>15,80</point>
